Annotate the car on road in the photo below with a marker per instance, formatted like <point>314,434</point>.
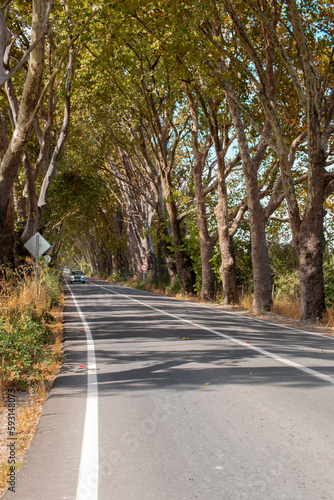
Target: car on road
<point>77,277</point>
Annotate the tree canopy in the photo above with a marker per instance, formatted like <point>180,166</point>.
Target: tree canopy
<point>193,136</point>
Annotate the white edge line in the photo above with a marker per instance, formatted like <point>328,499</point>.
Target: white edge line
<point>87,488</point>
<point>264,352</point>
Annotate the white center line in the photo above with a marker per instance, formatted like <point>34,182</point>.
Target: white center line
<point>87,488</point>
<point>264,352</point>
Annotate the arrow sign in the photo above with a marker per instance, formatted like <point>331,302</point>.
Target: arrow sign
<point>37,245</point>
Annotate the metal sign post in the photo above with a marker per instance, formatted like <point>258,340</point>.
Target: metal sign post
<point>143,267</point>
<point>36,262</point>
<point>37,245</point>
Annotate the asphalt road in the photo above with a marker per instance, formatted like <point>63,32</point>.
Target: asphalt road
<point>161,399</point>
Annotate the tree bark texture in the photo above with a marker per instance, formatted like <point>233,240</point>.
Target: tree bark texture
<point>206,242</point>
<point>227,268</point>
<point>260,257</point>
<point>184,272</point>
<point>162,234</point>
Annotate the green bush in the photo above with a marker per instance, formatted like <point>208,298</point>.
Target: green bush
<point>329,279</point>
<point>116,277</point>
<point>22,347</point>
<point>51,280</point>
<point>286,284</point>
<point>25,330</point>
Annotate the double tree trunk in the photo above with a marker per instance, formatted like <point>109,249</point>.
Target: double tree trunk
<point>227,268</point>
<point>37,205</point>
<point>184,272</point>
<point>205,240</point>
<point>206,245</point>
<point>260,257</point>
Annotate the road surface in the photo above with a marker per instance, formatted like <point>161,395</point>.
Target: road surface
<point>161,399</point>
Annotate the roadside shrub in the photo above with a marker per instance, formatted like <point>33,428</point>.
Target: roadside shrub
<point>116,277</point>
<point>286,284</point>
<point>27,331</point>
<point>23,348</point>
<point>329,279</point>
<point>51,283</point>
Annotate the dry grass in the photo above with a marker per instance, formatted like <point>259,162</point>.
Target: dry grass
<point>285,306</point>
<point>28,411</point>
<point>246,301</point>
<point>329,318</point>
<point>20,296</point>
<point>16,299</point>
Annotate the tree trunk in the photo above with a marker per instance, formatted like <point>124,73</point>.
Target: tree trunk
<point>133,251</point>
<point>227,268</point>
<point>310,249</point>
<point>312,297</point>
<point>162,233</point>
<point>206,242</point>
<point>184,272</point>
<point>7,238</point>
<point>260,258</point>
<point>31,91</point>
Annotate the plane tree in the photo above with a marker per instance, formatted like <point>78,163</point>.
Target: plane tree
<point>144,102</point>
<point>181,39</point>
<point>15,145</point>
<point>301,51</point>
<point>33,33</point>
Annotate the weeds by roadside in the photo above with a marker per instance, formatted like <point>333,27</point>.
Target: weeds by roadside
<point>28,411</point>
<point>29,332</point>
<point>30,352</point>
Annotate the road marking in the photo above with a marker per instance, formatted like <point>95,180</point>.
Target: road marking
<point>264,352</point>
<point>87,488</point>
<point>235,313</point>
